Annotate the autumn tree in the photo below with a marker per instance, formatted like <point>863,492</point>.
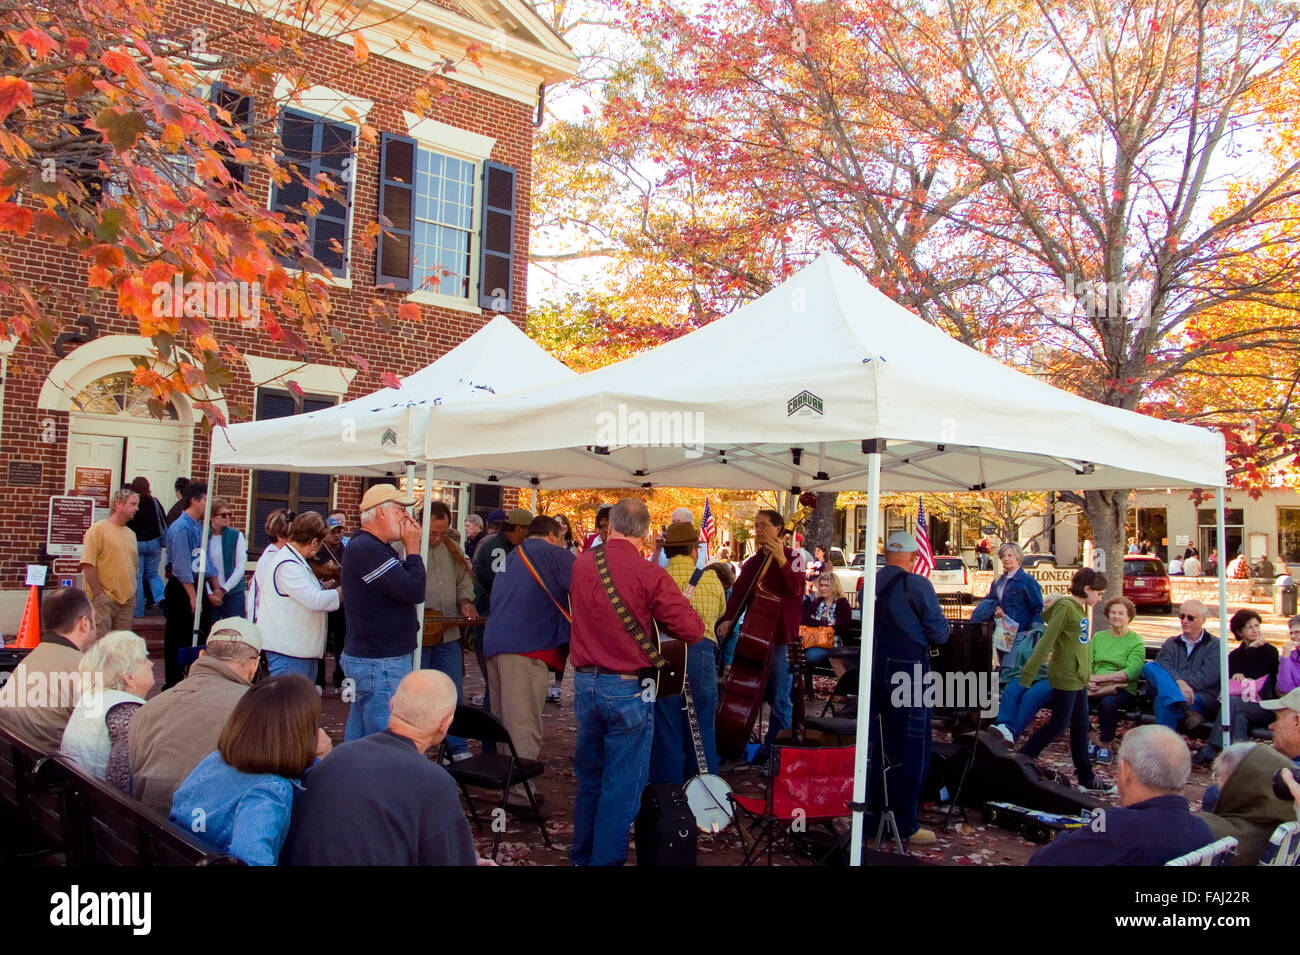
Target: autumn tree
<point>1062,183</point>
<point>118,148</point>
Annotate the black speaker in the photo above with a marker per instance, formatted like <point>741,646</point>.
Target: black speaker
<point>969,649</point>
<point>665,827</point>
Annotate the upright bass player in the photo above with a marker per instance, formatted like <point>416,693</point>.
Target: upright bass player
<point>782,579</point>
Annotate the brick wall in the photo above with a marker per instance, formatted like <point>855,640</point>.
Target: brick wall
<point>33,435</point>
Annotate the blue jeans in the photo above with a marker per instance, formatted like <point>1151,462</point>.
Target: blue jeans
<point>447,657</point>
<point>1018,706</point>
<point>1169,696</point>
<point>233,606</point>
<point>611,761</point>
<point>374,681</point>
<point>778,693</point>
<point>672,755</point>
<point>149,554</point>
<point>278,664</point>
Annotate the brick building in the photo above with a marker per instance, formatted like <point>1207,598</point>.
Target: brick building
<point>457,186</point>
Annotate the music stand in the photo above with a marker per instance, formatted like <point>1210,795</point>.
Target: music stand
<point>886,812</point>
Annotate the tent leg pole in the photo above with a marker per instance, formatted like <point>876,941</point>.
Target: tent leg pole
<point>201,574</point>
<point>868,643</point>
<point>424,554</point>
<point>1221,538</point>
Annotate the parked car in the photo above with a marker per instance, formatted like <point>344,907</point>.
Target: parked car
<point>1146,582</point>
<point>849,574</point>
<point>1032,560</point>
<point>950,576</point>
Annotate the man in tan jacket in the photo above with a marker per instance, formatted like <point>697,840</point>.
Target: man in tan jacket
<point>40,695</point>
<point>175,730</point>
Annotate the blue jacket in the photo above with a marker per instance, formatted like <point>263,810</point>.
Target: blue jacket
<point>524,619</point>
<point>1022,601</point>
<point>243,814</point>
<point>380,594</point>
<point>1150,832</point>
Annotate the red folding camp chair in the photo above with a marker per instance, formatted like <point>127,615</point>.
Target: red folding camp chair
<point>809,786</point>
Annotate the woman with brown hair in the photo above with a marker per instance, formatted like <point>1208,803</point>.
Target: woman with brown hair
<point>277,533</point>
<point>295,604</point>
<point>243,793</point>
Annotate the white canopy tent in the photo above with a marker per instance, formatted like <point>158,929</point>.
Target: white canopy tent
<point>384,433</point>
<point>824,383</point>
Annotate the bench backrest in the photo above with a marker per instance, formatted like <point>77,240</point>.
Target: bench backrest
<point>37,813</point>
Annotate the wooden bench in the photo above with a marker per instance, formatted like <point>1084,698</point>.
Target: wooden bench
<point>35,816</point>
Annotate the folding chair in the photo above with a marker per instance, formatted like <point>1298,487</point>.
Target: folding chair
<point>808,786</point>
<point>498,771</point>
<point>846,689</point>
<point>1216,853</point>
<point>1283,846</point>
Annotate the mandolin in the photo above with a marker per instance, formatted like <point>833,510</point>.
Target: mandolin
<point>743,692</point>
<point>435,625</point>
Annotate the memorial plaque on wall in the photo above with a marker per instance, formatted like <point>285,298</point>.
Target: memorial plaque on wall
<point>230,486</point>
<point>94,483</point>
<point>25,473</point>
<point>70,518</point>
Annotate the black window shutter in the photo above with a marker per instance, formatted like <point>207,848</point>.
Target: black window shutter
<point>497,238</point>
<point>240,108</point>
<point>397,204</point>
<point>312,146</point>
<point>273,489</point>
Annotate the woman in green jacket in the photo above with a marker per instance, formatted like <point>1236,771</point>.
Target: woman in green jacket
<point>1068,639</point>
<point>1118,655</point>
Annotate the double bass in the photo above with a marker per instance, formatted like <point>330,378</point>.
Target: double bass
<point>742,693</point>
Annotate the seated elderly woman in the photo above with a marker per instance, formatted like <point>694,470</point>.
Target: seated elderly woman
<point>116,675</point>
<point>1118,656</point>
<point>828,608</point>
<point>1253,666</point>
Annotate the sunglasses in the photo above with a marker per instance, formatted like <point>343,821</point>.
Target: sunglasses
<point>1188,616</point>
<point>223,514</point>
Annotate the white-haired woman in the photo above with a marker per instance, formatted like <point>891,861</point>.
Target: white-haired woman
<point>115,676</point>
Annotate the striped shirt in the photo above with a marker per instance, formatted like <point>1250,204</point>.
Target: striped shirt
<point>380,593</point>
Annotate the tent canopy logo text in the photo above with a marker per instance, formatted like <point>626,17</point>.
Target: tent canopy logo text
<point>805,402</point>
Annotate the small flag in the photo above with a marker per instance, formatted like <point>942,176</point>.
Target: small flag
<point>707,527</point>
<point>924,558</point>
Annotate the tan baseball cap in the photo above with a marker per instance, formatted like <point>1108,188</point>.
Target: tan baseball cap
<point>1290,701</point>
<point>519,516</point>
<point>237,630</point>
<point>384,494</point>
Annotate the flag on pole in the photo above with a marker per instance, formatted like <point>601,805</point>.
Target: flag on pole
<point>924,557</point>
<point>707,527</point>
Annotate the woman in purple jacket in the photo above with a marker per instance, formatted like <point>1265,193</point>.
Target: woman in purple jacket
<point>1288,668</point>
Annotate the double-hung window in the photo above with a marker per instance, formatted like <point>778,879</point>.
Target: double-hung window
<point>313,146</point>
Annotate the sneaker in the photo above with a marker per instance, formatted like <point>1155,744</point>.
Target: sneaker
<point>553,695</point>
<point>1096,786</point>
<point>320,690</point>
<point>1093,749</point>
<point>1005,731</point>
<point>457,757</point>
<point>922,837</point>
<point>1205,756</point>
<point>476,699</point>
<point>1103,755</point>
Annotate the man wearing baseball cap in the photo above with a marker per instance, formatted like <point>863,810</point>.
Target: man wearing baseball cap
<point>489,561</point>
<point>380,594</point>
<point>1286,724</point>
<point>908,620</point>
<point>175,730</point>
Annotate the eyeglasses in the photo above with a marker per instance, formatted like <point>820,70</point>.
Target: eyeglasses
<point>223,514</point>
<point>1188,616</point>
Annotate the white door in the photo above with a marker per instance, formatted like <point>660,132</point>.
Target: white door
<point>95,451</point>
<point>157,459</point>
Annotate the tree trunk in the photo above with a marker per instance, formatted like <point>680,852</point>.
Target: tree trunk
<point>1105,509</point>
<point>821,526</point>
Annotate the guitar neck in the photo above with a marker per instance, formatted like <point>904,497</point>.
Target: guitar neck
<point>700,763</point>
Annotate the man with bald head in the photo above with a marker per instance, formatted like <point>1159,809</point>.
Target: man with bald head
<point>1185,673</point>
<point>379,800</point>
<point>1153,824</point>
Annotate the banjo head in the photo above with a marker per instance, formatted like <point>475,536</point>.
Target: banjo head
<point>706,795</point>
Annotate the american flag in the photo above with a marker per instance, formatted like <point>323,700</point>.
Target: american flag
<point>924,558</point>
<point>707,527</point>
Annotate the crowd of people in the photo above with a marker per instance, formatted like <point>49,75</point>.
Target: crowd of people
<point>243,764</point>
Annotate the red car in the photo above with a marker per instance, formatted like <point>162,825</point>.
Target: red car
<point>1146,582</point>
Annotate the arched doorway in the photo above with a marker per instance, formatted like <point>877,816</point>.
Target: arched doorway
<point>113,428</point>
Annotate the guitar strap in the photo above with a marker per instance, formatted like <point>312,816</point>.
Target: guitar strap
<point>629,622</point>
<point>523,555</point>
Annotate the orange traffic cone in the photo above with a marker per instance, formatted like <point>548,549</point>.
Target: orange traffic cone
<point>29,631</point>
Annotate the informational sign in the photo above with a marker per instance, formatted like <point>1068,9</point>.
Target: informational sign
<point>36,575</point>
<point>1182,540</point>
<point>67,566</point>
<point>69,519</point>
<point>1051,580</point>
<point>230,486</point>
<point>94,483</point>
<point>25,473</point>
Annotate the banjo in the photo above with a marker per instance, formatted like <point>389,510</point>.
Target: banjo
<point>706,794</point>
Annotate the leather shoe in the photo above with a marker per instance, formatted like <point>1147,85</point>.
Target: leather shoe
<point>1205,756</point>
<point>922,837</point>
<point>1191,720</point>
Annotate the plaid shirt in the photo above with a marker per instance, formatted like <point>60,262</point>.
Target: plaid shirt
<point>709,599</point>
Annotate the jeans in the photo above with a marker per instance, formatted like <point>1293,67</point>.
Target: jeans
<point>374,681</point>
<point>1245,717</point>
<point>906,739</point>
<point>447,657</point>
<point>672,755</point>
<point>279,664</point>
<point>779,686</point>
<point>1069,707</point>
<point>1169,698</point>
<point>1018,706</point>
<point>611,761</point>
<point>816,656</point>
<point>231,606</point>
<point>1108,712</point>
<point>149,554</point>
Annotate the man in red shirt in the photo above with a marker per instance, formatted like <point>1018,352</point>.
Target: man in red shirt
<point>785,578</point>
<point>614,710</point>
